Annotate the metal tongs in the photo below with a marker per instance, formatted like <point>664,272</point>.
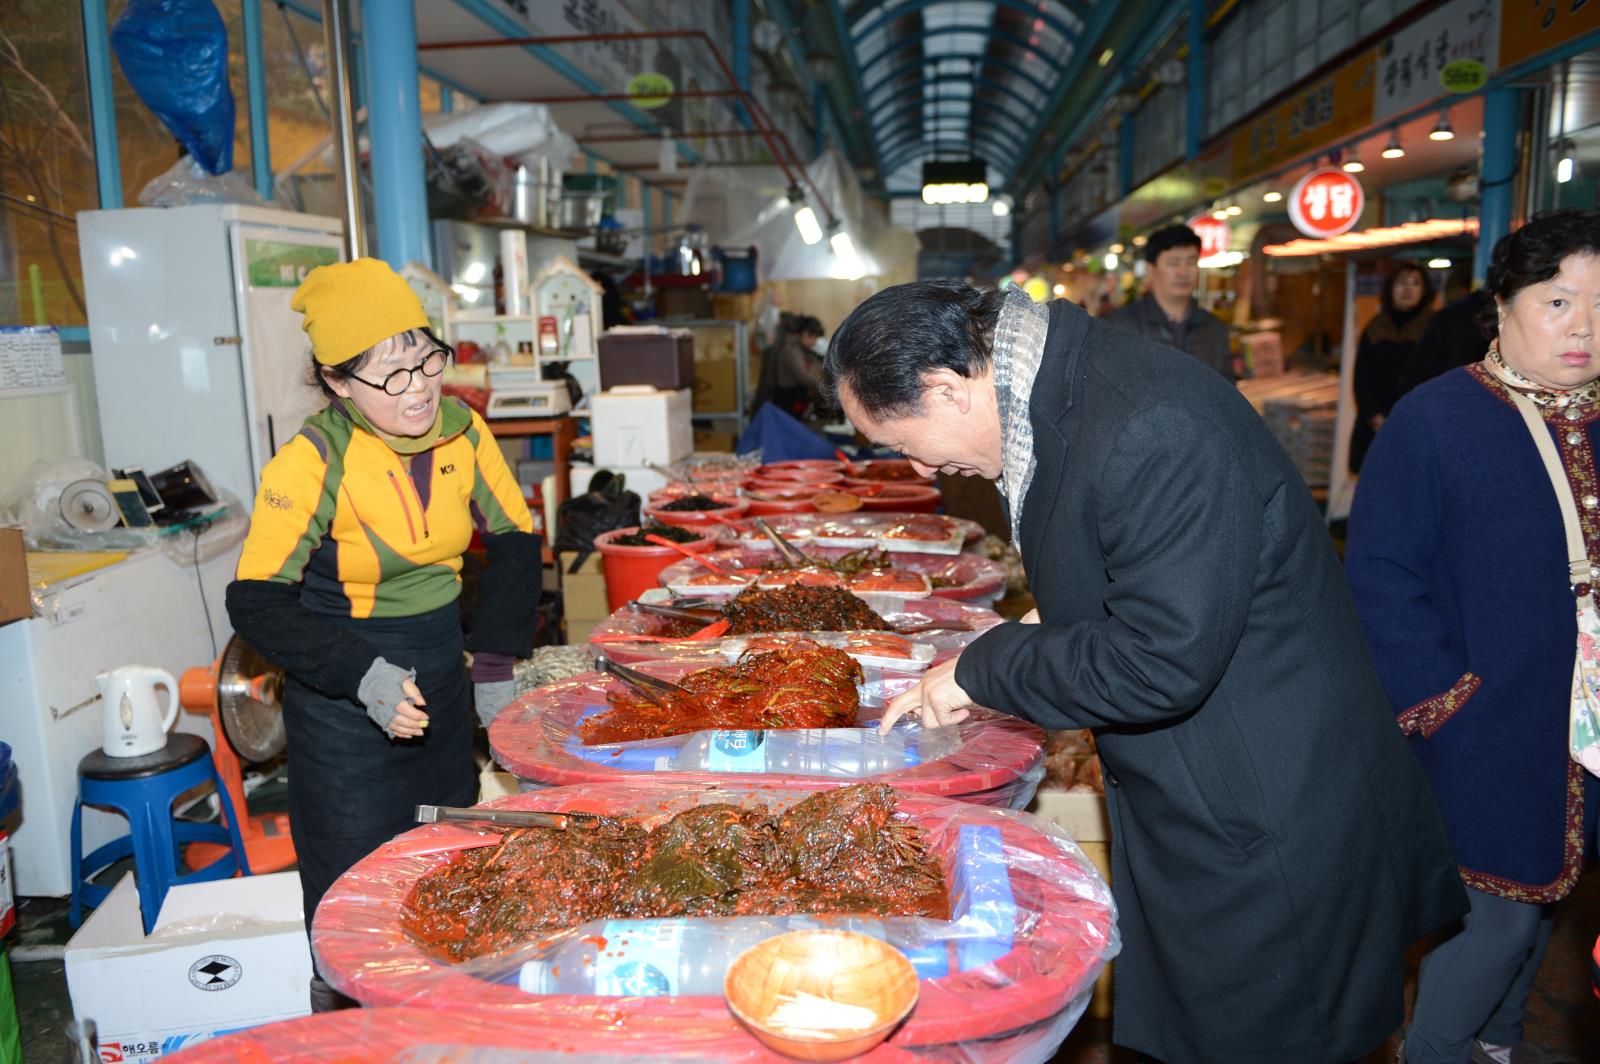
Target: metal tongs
<point>792,556</point>
<point>678,613</point>
<point>648,687</point>
<point>505,818</point>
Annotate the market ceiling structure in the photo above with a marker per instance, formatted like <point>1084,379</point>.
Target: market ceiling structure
<point>896,82</point>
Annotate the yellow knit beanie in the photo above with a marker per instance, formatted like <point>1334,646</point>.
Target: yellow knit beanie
<point>350,306</point>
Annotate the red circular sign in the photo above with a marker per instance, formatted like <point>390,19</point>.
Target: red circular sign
<point>1326,203</point>
<point>1214,235</point>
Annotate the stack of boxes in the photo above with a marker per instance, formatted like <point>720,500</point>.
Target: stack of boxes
<point>640,417</point>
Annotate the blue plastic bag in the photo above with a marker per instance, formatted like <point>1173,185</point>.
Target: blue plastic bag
<point>175,55</point>
<point>781,437</point>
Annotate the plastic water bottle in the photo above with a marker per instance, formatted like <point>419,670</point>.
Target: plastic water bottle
<point>654,958</point>
<point>842,753</point>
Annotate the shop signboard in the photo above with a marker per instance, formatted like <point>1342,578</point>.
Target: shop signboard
<point>1452,49</point>
<point>1530,27</point>
<point>1326,202</point>
<point>1321,112</point>
<point>1214,235</point>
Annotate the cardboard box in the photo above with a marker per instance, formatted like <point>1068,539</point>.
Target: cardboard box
<point>15,603</point>
<point>494,783</point>
<point>223,956</point>
<point>733,306</point>
<point>709,442</point>
<point>1082,816</point>
<point>635,425</point>
<point>583,593</point>
<point>578,631</point>
<point>716,388</point>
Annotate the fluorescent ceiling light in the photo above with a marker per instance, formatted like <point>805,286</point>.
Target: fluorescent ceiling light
<point>847,262</point>
<point>805,220</point>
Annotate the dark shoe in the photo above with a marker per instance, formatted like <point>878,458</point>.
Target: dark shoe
<point>324,998</point>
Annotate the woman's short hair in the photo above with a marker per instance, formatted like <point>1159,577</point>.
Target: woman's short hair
<point>1394,279</point>
<point>884,347</point>
<point>347,369</point>
<point>1534,253</point>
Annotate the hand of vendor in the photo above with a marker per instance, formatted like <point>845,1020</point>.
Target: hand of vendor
<point>392,699</point>
<point>937,698</point>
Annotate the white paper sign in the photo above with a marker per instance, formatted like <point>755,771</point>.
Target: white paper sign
<point>30,357</point>
<point>1410,62</point>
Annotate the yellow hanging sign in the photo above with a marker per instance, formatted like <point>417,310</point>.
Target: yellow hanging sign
<point>650,90</point>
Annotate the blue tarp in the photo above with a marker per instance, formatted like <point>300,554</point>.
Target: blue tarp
<point>781,437</point>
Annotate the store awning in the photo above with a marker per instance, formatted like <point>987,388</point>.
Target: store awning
<point>1387,236</point>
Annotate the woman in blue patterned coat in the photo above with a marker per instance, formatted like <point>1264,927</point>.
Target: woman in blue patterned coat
<point>1458,560</point>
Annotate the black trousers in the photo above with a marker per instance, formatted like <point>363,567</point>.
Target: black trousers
<point>351,787</point>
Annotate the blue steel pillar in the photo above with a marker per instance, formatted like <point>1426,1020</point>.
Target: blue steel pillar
<point>741,57</point>
<point>394,124</point>
<point>447,100</point>
<point>1194,120</point>
<point>1501,108</point>
<point>255,74</point>
<point>102,103</point>
<point>1125,157</point>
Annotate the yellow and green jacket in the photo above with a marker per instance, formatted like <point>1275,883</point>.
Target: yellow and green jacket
<point>368,532</point>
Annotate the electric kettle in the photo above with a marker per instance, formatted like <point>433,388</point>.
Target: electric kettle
<point>135,723</point>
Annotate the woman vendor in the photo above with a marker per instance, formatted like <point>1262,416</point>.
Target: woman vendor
<point>350,575</point>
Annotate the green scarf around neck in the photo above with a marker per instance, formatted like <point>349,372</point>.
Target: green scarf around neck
<point>407,445</point>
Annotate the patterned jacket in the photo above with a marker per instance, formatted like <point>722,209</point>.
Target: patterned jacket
<point>1458,563</point>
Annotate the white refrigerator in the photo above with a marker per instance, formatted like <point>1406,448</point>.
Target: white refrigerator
<point>197,355</point>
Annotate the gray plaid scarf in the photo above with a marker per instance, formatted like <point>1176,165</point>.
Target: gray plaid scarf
<point>1019,335</point>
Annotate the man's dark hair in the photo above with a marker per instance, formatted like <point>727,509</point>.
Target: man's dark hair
<point>1173,236</point>
<point>1534,253</point>
<point>1394,278</point>
<point>884,347</point>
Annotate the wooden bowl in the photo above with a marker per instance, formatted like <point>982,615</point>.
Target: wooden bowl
<point>840,965</point>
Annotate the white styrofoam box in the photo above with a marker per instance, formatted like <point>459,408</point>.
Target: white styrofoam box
<point>633,425</point>
<point>224,956</point>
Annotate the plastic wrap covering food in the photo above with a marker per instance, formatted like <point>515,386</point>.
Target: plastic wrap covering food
<point>910,533</point>
<point>989,758</point>
<point>404,1035</point>
<point>415,1036</point>
<point>1004,979</point>
<point>965,577</point>
<point>631,634</point>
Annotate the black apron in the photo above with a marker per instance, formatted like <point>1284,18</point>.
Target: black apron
<point>351,787</point>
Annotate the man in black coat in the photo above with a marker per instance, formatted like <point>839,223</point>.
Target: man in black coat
<point>1275,847</point>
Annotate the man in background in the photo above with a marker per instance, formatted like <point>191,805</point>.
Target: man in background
<point>1167,312</point>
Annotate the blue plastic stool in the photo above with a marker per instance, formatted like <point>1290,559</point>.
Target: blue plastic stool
<point>143,789</point>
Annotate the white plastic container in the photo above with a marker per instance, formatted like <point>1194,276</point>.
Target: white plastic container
<point>636,424</point>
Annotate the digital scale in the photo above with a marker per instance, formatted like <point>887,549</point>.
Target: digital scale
<point>518,391</point>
